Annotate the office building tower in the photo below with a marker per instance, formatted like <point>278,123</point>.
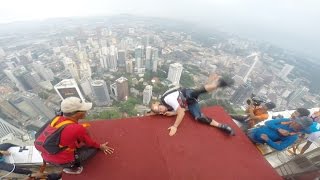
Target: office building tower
<point>85,85</point>
<point>32,80</point>
<point>121,58</point>
<point>243,92</point>
<point>38,104</point>
<point>285,71</point>
<point>9,73</point>
<point>6,128</point>
<point>100,93</point>
<point>10,111</point>
<point>85,70</point>
<point>113,59</point>
<point>154,59</point>
<point>138,56</point>
<point>174,74</point>
<point>129,66</point>
<point>45,73</point>
<point>72,67</point>
<point>147,94</point>
<point>22,76</point>
<point>120,89</point>
<point>68,88</point>
<point>149,58</point>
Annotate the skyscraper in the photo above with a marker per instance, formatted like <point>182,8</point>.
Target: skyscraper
<point>11,76</point>
<point>122,58</point>
<point>148,57</point>
<point>242,94</point>
<point>129,66</point>
<point>285,71</point>
<point>68,88</point>
<point>100,92</point>
<point>120,89</point>
<point>72,67</point>
<point>45,73</point>
<point>113,59</point>
<point>174,74</point>
<point>138,56</point>
<point>147,94</point>
<point>6,128</point>
<point>85,84</point>
<point>9,110</point>
<point>154,59</point>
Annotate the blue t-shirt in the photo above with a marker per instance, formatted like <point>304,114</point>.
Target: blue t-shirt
<point>315,127</point>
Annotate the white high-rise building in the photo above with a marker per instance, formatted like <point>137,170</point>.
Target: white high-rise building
<point>138,56</point>
<point>147,94</point>
<point>148,57</point>
<point>72,67</point>
<point>68,88</point>
<point>100,92</point>
<point>2,53</point>
<point>113,59</point>
<point>286,70</point>
<point>85,70</point>
<point>174,74</point>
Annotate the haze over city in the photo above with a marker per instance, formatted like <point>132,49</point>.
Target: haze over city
<point>290,24</point>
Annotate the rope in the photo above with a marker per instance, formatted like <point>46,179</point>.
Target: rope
<point>14,167</point>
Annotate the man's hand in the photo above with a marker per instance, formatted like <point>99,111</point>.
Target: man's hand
<point>106,149</point>
<point>285,122</point>
<point>283,132</point>
<point>264,137</point>
<point>173,130</point>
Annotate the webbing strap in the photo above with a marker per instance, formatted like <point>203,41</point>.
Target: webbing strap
<point>55,120</point>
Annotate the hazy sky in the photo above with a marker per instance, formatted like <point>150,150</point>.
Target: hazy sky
<point>288,23</point>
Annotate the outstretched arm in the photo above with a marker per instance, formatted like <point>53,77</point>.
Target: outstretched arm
<point>180,114</point>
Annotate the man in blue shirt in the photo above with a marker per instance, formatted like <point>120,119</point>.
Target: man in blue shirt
<point>280,133</point>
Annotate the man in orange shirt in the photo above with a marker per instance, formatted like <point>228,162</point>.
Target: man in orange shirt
<point>254,115</point>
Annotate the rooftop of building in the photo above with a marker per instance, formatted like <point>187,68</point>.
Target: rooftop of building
<point>144,150</point>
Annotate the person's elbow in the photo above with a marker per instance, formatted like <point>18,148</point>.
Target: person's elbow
<point>181,111</point>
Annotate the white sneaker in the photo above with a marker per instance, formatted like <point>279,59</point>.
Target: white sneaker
<point>76,170</point>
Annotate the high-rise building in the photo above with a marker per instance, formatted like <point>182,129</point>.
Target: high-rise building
<point>120,89</point>
<point>286,70</point>
<point>100,92</point>
<point>22,76</point>
<point>68,88</point>
<point>2,53</point>
<point>129,66</point>
<point>38,104</point>
<point>147,94</point>
<point>11,76</point>
<point>10,111</point>
<point>154,59</point>
<point>85,84</point>
<point>242,94</point>
<point>6,128</point>
<point>113,59</point>
<point>72,67</point>
<point>138,56</point>
<point>45,73</point>
<point>122,58</point>
<point>148,57</point>
<point>85,70</point>
<point>174,74</point>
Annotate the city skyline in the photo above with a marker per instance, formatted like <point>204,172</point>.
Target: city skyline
<point>289,24</point>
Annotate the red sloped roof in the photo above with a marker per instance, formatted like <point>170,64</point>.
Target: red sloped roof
<point>145,151</point>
